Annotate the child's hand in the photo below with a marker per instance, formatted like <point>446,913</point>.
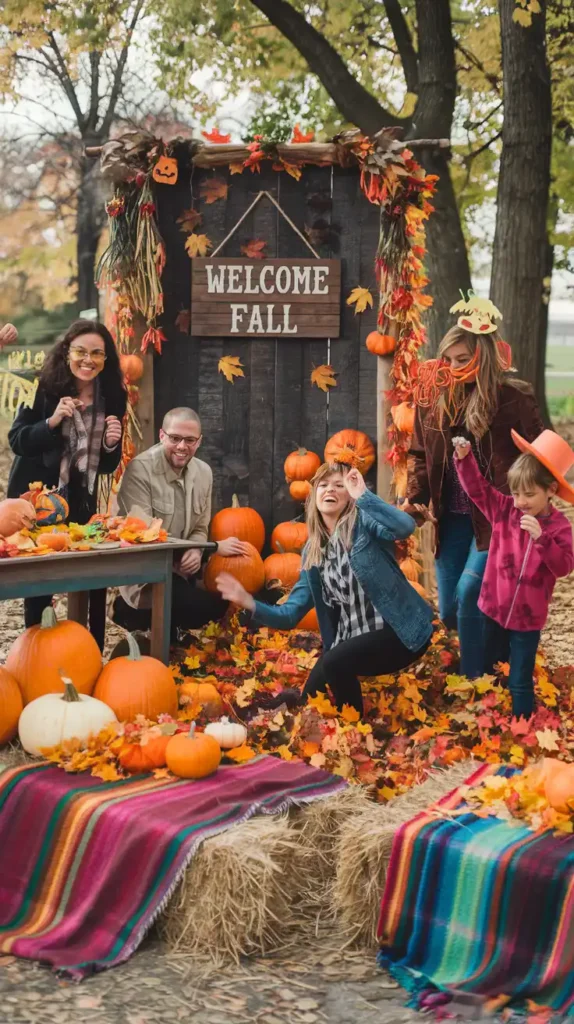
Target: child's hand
<point>532,526</point>
<point>461,447</point>
<point>419,511</point>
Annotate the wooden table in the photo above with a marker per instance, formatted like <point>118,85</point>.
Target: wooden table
<point>78,572</point>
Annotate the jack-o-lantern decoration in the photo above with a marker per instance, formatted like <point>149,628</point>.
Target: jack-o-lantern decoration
<point>165,171</point>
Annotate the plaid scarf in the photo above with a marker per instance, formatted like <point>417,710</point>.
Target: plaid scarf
<point>83,433</point>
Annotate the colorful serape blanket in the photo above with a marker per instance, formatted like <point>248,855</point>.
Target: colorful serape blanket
<point>86,866</point>
<point>479,911</point>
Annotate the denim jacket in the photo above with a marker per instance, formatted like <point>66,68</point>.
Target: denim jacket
<point>373,562</point>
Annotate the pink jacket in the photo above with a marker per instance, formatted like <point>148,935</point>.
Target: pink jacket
<point>520,573</point>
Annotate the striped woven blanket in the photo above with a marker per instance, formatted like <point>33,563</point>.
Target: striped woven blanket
<point>86,866</point>
<point>480,911</point>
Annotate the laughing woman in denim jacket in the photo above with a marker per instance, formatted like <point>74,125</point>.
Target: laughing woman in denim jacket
<point>372,621</point>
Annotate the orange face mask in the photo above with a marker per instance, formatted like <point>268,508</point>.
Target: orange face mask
<point>435,377</point>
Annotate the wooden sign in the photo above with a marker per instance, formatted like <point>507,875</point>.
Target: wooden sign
<point>243,298</point>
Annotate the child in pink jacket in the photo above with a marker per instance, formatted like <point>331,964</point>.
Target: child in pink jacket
<point>531,547</point>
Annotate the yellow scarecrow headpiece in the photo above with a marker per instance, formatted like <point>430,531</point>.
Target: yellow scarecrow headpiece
<point>477,315</point>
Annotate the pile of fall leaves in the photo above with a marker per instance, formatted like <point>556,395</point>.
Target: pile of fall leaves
<point>102,531</point>
<point>428,717</point>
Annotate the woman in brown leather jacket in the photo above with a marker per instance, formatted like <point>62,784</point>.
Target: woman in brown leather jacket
<point>470,393</point>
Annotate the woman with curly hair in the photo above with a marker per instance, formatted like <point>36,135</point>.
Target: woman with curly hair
<point>72,434</point>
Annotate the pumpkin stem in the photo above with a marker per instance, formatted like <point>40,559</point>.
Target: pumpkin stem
<point>70,694</point>
<point>235,502</point>
<point>191,732</point>
<point>49,619</point>
<point>134,653</point>
<point>302,451</point>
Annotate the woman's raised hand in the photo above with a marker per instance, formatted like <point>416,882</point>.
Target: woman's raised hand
<point>355,483</point>
<point>64,409</point>
<point>232,590</point>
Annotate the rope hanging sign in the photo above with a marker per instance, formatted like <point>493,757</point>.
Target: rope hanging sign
<point>265,298</point>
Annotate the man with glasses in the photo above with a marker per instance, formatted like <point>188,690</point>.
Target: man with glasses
<point>169,482</point>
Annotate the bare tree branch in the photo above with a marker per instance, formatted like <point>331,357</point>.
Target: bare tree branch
<point>67,84</point>
<point>403,39</point>
<point>92,119</point>
<point>355,102</point>
<point>117,82</point>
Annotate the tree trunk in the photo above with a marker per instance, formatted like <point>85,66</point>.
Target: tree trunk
<point>89,225</point>
<point>447,260</point>
<point>520,257</point>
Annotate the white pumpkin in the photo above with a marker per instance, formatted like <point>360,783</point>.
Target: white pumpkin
<point>49,720</point>
<point>228,734</point>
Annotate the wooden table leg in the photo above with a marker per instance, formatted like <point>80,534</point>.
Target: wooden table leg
<point>161,617</point>
<point>78,606</point>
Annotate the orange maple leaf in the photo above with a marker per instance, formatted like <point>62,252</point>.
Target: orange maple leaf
<point>254,250</point>
<point>241,754</point>
<point>360,298</point>
<point>197,245</point>
<point>350,714</point>
<point>189,220</point>
<point>299,136</point>
<point>213,189</point>
<point>308,748</point>
<point>216,136</point>
<point>324,377</point>
<point>230,367</point>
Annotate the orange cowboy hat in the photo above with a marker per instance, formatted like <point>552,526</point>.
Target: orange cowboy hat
<point>555,454</point>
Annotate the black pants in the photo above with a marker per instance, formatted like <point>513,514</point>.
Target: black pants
<point>191,608</point>
<point>370,654</point>
<point>34,606</point>
<point>518,647</point>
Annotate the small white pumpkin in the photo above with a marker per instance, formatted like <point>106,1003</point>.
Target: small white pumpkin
<point>50,720</point>
<point>228,734</point>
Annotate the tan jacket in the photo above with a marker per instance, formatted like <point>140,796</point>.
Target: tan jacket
<point>148,485</point>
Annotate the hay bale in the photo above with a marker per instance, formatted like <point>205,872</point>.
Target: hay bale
<point>364,850</point>
<point>237,895</point>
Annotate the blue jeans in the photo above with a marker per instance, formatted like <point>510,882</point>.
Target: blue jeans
<point>519,648</point>
<point>459,570</point>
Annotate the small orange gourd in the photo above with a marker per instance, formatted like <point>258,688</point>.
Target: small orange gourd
<point>300,490</point>
<point>559,788</point>
<point>193,755</point>
<point>205,694</point>
<point>380,344</point>
<point>137,685</point>
<point>248,569</point>
<point>411,568</point>
<point>144,757</point>
<point>56,541</point>
<point>403,417</point>
<point>309,621</point>
<point>301,465</point>
<point>132,367</point>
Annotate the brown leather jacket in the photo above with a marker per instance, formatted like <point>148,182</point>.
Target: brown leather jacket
<point>431,449</point>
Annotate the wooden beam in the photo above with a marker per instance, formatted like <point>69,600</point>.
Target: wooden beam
<point>320,153</point>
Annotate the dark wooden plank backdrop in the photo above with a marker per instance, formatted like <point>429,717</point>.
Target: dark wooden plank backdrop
<point>250,426</point>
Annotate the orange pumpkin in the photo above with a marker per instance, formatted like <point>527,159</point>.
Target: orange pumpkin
<point>301,465</point>
<point>559,788</point>
<point>411,568</point>
<point>132,367</point>
<point>309,621</point>
<point>289,537</point>
<point>137,685</point>
<point>43,654</point>
<point>403,417</point>
<point>16,514</point>
<point>11,706</point>
<point>144,757</point>
<point>243,523</point>
<point>205,694</point>
<point>300,490</point>
<point>193,755</point>
<point>248,569</point>
<point>282,570</point>
<point>165,171</point>
<point>351,448</point>
<point>380,344</point>
<point>56,541</point>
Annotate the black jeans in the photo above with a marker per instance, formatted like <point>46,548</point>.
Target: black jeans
<point>191,608</point>
<point>370,654</point>
<point>518,647</point>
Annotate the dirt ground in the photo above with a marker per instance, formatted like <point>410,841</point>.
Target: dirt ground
<point>308,985</point>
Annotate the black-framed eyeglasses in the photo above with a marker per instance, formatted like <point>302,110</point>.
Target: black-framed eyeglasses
<point>176,440</point>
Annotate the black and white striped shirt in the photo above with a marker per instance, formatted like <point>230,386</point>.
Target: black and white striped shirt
<point>342,589</point>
